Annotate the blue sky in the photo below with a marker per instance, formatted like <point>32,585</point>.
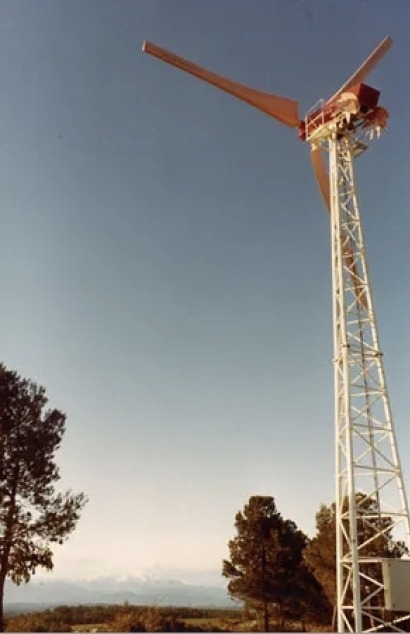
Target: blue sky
<point>166,261</point>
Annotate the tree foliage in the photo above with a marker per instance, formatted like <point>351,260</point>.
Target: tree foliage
<point>320,552</point>
<point>266,567</point>
<point>33,516</point>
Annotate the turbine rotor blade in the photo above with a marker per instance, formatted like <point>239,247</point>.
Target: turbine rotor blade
<point>322,177</point>
<point>367,66</point>
<point>280,108</point>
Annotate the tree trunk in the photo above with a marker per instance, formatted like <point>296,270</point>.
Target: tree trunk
<point>2,581</point>
<point>7,541</point>
<point>281,618</point>
<point>265,616</point>
<point>265,603</point>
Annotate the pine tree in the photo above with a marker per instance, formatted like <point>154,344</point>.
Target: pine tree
<point>265,567</point>
<point>33,516</point>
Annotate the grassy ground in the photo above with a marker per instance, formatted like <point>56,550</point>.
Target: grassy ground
<point>126,618</point>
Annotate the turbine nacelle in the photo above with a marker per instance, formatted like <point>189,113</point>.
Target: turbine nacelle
<point>350,110</point>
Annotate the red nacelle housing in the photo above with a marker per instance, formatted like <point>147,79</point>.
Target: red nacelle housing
<point>365,96</point>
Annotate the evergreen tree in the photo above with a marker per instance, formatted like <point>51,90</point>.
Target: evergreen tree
<point>265,566</point>
<point>32,514</point>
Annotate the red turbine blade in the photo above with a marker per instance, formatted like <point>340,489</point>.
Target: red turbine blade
<point>360,75</point>
<point>282,109</point>
<point>322,177</point>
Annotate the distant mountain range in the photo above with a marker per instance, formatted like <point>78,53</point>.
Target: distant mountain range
<point>113,591</point>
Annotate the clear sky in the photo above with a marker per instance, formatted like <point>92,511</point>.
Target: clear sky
<point>166,262</point>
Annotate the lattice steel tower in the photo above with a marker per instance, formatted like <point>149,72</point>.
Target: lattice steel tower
<point>372,515</point>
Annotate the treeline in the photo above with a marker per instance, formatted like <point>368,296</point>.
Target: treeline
<point>119,618</point>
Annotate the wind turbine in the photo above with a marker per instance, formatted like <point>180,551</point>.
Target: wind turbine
<point>372,592</point>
